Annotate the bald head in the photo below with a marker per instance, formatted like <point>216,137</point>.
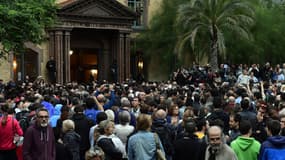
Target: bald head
<point>160,114</point>
<point>215,130</point>
<point>101,98</point>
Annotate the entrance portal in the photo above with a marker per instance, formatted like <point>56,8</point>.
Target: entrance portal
<point>83,65</point>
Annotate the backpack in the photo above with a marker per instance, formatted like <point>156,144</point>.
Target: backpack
<point>166,136</point>
<point>23,119</point>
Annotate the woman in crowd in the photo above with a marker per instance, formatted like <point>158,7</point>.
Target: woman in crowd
<point>137,146</point>
<point>110,144</point>
<point>9,126</point>
<point>71,139</point>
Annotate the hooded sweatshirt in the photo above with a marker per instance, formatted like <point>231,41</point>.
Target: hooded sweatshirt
<point>273,148</point>
<point>246,148</point>
<point>39,143</point>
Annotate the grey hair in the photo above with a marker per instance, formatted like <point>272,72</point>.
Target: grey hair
<point>68,125</point>
<point>124,117</point>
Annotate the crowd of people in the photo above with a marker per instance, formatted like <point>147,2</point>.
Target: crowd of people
<point>236,112</point>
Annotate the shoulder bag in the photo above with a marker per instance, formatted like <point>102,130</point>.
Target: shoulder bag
<point>18,140</point>
<point>159,154</point>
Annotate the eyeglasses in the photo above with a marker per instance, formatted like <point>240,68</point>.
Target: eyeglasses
<point>42,117</point>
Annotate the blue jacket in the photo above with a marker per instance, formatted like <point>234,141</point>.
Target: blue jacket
<point>56,115</point>
<point>49,107</point>
<point>138,149</point>
<point>273,148</point>
<point>91,114</point>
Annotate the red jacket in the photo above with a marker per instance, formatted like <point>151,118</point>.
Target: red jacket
<point>7,133</point>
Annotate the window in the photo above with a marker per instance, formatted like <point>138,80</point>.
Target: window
<point>138,7</point>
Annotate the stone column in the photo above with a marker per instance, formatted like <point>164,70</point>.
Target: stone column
<point>120,58</point>
<point>51,44</point>
<point>106,64</point>
<point>66,71</point>
<point>59,56</point>
<point>127,56</point>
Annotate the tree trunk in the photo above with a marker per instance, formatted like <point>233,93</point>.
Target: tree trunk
<point>214,51</point>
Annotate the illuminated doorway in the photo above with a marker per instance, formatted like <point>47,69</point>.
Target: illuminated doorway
<point>83,65</point>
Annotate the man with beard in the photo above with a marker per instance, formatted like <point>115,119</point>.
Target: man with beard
<point>217,148</point>
<point>39,142</point>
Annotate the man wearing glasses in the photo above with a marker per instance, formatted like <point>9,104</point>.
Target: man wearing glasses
<point>39,140</point>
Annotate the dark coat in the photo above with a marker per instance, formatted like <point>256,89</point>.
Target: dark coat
<point>111,152</point>
<point>62,153</point>
<point>195,149</point>
<point>72,142</point>
<point>82,127</point>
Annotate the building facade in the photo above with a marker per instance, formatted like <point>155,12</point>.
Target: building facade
<point>92,40</point>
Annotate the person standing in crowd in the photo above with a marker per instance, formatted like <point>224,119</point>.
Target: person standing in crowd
<point>195,147</point>
<point>165,131</point>
<point>51,68</point>
<point>234,122</point>
<point>217,148</point>
<point>39,141</point>
<point>8,128</point>
<point>124,129</point>
<point>274,146</point>
<point>245,146</point>
<point>100,117</point>
<point>91,109</point>
<point>71,139</point>
<point>259,123</point>
<point>82,127</point>
<point>138,149</point>
<point>246,113</point>
<point>109,145</point>
<point>135,106</point>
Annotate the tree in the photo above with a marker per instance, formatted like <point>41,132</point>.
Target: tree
<point>209,19</point>
<point>160,37</point>
<point>24,21</point>
<point>268,34</point>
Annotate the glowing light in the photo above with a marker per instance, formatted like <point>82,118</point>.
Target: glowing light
<point>94,71</point>
<point>14,64</point>
<point>140,64</point>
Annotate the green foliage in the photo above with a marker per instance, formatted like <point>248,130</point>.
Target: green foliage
<point>269,38</point>
<point>161,36</point>
<point>24,20</point>
<point>265,40</point>
<point>208,20</point>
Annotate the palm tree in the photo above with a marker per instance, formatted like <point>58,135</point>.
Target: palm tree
<point>209,20</point>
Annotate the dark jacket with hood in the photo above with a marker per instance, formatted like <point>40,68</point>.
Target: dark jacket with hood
<point>82,127</point>
<point>272,148</point>
<point>166,133</point>
<point>72,142</point>
<point>39,143</point>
